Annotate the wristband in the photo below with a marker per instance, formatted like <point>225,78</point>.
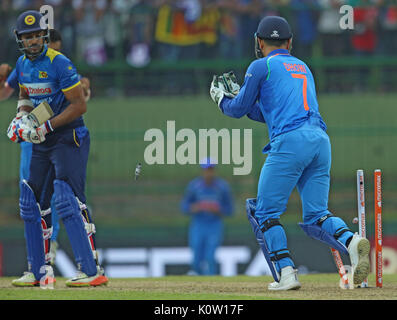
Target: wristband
<point>48,126</point>
<point>24,102</point>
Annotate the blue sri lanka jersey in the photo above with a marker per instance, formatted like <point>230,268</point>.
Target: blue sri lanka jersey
<point>12,80</point>
<point>278,89</point>
<point>46,79</point>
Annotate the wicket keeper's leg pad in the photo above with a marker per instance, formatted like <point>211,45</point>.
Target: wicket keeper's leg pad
<point>328,230</point>
<point>31,215</point>
<point>68,209</point>
<point>272,257</point>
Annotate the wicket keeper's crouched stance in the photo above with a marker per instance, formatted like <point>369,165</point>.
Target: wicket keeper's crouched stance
<point>59,156</point>
<point>279,89</point>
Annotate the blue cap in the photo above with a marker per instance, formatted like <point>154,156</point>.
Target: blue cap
<point>207,163</point>
<point>29,21</point>
<point>274,28</point>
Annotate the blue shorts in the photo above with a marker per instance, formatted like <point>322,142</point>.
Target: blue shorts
<point>300,158</point>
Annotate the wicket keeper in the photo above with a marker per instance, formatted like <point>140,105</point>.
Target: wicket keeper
<point>59,156</point>
<point>279,90</point>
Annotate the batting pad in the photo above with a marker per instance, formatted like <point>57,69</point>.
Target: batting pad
<point>31,215</point>
<point>250,206</point>
<point>69,210</point>
<point>317,233</point>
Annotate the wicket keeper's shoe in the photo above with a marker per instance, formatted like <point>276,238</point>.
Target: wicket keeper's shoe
<point>28,280</point>
<point>359,256</point>
<point>82,280</point>
<point>288,280</point>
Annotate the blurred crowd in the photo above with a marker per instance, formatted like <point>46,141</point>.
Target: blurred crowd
<point>98,31</point>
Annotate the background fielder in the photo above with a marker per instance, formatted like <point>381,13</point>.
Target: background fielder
<point>207,200</point>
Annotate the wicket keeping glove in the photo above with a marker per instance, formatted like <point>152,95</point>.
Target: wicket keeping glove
<point>218,91</point>
<point>230,84</point>
<point>224,86</point>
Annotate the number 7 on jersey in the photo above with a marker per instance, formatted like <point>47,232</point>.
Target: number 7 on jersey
<point>304,78</point>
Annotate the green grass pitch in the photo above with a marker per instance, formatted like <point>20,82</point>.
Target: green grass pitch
<point>314,287</point>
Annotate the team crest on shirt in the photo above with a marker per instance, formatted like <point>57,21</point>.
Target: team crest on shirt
<point>43,75</point>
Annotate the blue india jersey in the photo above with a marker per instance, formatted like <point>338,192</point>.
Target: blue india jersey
<point>198,191</point>
<point>47,78</point>
<point>278,89</point>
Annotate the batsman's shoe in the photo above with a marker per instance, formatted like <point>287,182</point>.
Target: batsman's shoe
<point>82,280</point>
<point>28,280</point>
<point>359,256</point>
<point>288,280</point>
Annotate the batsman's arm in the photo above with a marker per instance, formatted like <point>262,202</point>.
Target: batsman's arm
<point>243,103</point>
<point>85,84</point>
<point>76,108</point>
<point>24,103</point>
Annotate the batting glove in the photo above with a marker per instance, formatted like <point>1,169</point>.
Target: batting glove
<point>30,121</point>
<point>12,132</point>
<point>12,128</point>
<point>33,135</point>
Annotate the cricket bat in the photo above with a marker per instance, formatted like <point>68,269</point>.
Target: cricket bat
<point>42,113</point>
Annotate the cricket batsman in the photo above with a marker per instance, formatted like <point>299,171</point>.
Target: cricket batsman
<point>279,90</point>
<point>59,156</point>
<point>9,84</point>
